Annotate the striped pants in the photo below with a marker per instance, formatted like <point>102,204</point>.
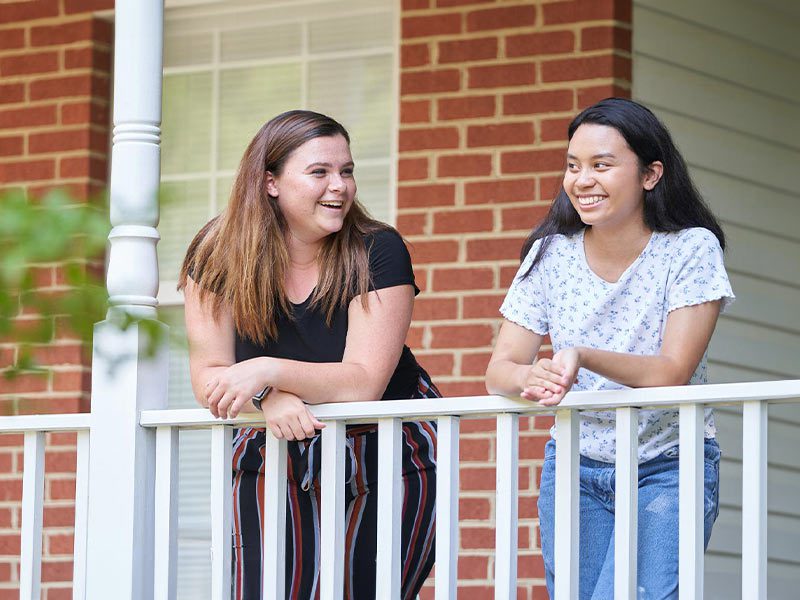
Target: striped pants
<point>361,495</point>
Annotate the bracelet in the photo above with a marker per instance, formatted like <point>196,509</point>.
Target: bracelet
<point>260,396</point>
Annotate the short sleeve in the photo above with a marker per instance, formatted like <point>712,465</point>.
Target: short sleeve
<point>526,301</point>
<point>699,272</point>
<point>389,261</point>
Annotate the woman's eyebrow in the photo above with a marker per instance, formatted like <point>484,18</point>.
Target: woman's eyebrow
<point>601,155</point>
<point>349,163</point>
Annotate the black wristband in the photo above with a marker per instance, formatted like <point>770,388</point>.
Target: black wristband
<point>260,396</point>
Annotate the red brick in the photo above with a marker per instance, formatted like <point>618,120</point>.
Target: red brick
<point>54,593</point>
<point>12,38</point>
<point>473,567</point>
<point>415,4</point>
<point>9,544</point>
<point>417,196</point>
<point>62,438</point>
<point>434,251</point>
<point>12,92</point>
<point>482,306</point>
<point>528,103</point>
<point>590,67</point>
<point>476,450</point>
<point>587,10</point>
<point>474,508</point>
<point>414,336</point>
<point>53,570</point>
<point>477,479</point>
<point>80,6</point>
<point>415,111</point>
<point>412,168</point>
<point>467,107</point>
<point>414,55</point>
<point>502,75</point>
<point>433,309</point>
<point>62,489</point>
<point>494,249</point>
<point>505,134</point>
<point>550,186</point>
<point>59,516</point>
<point>61,354</point>
<point>468,278</point>
<point>6,520</point>
<point>537,44</point>
<point>522,218</point>
<point>43,404</point>
<point>463,221</point>
<point>60,543</point>
<point>507,276</point>
<point>555,129</point>
<point>532,446</point>
<point>590,95</point>
<point>449,3</point>
<point>61,461</point>
<point>85,166</point>
<point>86,58</point>
<point>6,463</point>
<point>528,568</point>
<point>430,82</point>
<point>6,357</point>
<point>464,165</point>
<point>72,381</point>
<point>532,161</point>
<point>27,170</point>
<point>84,112</point>
<point>436,364</point>
<point>430,25</point>
<point>58,141</point>
<point>63,33</point>
<point>72,85</point>
<point>500,191</point>
<point>501,18</point>
<point>11,490</point>
<point>412,224</point>
<point>27,10</point>
<point>467,50</point>
<point>606,37</point>
<point>26,64</point>
<point>10,440</point>
<point>461,336</point>
<point>431,138</point>
<point>11,145</point>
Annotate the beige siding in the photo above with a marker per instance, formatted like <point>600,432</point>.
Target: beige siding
<point>723,75</point>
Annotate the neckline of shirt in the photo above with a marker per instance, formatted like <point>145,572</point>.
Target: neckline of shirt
<point>582,253</point>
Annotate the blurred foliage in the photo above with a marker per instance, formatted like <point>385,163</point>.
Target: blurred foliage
<point>57,238</point>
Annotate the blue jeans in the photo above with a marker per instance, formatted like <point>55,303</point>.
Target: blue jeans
<point>658,522</point>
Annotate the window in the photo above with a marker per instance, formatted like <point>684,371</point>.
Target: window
<point>229,67</point>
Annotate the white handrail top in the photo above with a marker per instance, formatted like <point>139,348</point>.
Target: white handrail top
<point>50,422</point>
<point>658,397</point>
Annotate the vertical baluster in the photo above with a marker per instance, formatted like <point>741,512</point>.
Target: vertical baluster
<point>691,481</point>
<point>754,500</point>
<point>447,465</point>
<point>274,542</point>
<point>30,578</point>
<point>505,585</point>
<point>221,509</point>
<point>626,504</point>
<point>166,514</point>
<point>567,509</point>
<point>332,551</point>
<point>390,507</point>
<point>81,516</point>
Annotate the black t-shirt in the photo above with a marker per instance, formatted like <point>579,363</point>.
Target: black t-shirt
<point>308,338</point>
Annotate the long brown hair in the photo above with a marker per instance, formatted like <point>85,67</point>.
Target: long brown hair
<point>240,257</point>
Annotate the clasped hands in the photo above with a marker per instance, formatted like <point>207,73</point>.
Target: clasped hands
<point>232,388</point>
<point>548,380</point>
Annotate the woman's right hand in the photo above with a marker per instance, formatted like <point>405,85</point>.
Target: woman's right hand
<point>544,381</point>
<point>288,417</point>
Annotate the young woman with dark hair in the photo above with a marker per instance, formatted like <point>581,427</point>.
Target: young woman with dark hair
<point>626,276</point>
<point>295,296</point>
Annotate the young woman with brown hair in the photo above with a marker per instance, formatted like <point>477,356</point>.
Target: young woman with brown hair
<point>296,292</point>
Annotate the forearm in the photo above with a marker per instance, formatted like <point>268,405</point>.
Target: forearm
<point>505,377</point>
<point>634,370</point>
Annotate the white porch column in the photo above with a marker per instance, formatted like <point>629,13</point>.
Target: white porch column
<point>125,380</point>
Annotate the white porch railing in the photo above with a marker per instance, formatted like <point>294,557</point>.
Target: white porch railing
<point>162,474</point>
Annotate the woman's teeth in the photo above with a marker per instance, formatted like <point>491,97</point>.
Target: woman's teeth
<point>589,200</point>
<point>332,204</point>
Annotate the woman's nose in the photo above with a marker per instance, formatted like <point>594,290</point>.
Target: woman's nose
<point>336,183</point>
<point>585,178</point>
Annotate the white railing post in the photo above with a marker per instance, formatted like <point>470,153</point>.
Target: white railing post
<point>690,483</point>
<point>332,527</point>
<point>274,539</point>
<point>626,511</point>
<point>754,500</point>
<point>81,516</point>
<point>390,508</point>
<point>506,501</point>
<point>126,378</point>
<point>568,502</point>
<point>447,483</point>
<point>166,514</point>
<point>30,577</point>
<point>221,512</point>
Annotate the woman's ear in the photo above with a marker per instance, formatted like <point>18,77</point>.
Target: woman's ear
<point>271,185</point>
<point>653,175</point>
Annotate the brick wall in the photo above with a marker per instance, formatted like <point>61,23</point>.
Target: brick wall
<point>54,90</point>
<point>487,90</point>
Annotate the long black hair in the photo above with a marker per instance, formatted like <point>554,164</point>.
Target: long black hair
<point>672,205</point>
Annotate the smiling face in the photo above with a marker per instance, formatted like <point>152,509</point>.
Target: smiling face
<point>604,179</point>
<point>315,189</point>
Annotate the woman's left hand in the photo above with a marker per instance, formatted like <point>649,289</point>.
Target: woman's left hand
<point>234,387</point>
<point>566,363</point>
